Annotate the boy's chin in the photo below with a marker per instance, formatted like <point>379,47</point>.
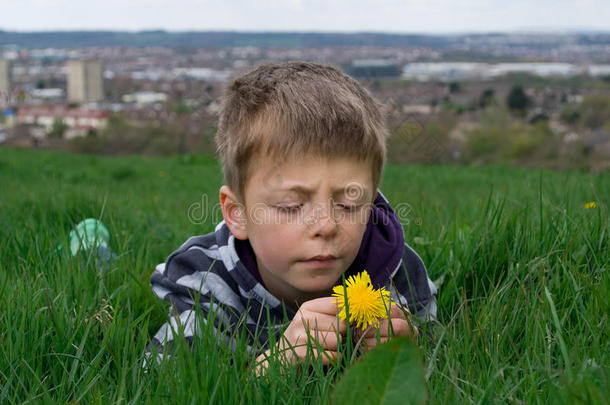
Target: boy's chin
<point>317,289</point>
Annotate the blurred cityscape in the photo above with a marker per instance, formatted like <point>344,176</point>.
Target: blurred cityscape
<point>533,99</point>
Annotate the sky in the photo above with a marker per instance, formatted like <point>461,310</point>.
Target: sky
<point>399,16</point>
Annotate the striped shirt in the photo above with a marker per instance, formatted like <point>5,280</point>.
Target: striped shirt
<point>218,273</point>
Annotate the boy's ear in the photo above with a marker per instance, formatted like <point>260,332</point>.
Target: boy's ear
<point>233,212</point>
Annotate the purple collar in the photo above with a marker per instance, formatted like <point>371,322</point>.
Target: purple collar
<point>380,251</point>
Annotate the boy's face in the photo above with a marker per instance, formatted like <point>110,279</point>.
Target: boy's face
<point>298,210</point>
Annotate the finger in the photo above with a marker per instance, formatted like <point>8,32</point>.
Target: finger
<point>398,312</point>
<point>372,342</point>
<point>323,322</point>
<point>393,327</point>
<point>403,327</point>
<point>327,356</point>
<point>324,305</point>
<point>327,340</point>
<point>384,325</point>
<point>371,331</point>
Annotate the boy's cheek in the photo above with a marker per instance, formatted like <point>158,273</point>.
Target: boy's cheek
<point>276,249</point>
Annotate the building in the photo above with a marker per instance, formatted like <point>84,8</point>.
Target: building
<point>145,97</point>
<point>447,71</point>
<point>373,68</point>
<point>48,94</point>
<point>5,81</point>
<point>85,81</point>
<point>78,121</point>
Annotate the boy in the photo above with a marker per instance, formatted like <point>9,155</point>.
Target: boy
<point>302,148</point>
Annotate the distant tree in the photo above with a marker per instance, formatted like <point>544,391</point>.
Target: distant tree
<point>449,105</point>
<point>595,111</point>
<point>570,114</point>
<point>181,108</point>
<point>486,98</point>
<point>517,101</point>
<point>58,129</point>
<point>539,117</point>
<point>454,87</point>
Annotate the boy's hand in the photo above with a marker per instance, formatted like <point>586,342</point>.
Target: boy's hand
<point>399,323</point>
<point>315,325</point>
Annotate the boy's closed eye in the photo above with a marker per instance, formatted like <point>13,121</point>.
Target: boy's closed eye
<point>296,208</point>
<point>289,208</point>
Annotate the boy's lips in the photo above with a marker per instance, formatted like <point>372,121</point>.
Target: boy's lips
<point>321,258</point>
<point>320,261</point>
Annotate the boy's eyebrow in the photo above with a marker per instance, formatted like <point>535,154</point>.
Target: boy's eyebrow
<point>363,191</point>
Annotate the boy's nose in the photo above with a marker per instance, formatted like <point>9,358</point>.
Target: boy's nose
<point>321,221</point>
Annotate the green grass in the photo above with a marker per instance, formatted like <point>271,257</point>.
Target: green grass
<point>523,270</point>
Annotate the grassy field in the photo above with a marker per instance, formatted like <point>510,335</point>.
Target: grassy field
<point>522,266</point>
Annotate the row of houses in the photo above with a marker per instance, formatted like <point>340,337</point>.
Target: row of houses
<point>77,121</point>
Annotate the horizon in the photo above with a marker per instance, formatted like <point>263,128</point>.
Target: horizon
<point>524,31</point>
<point>432,17</point>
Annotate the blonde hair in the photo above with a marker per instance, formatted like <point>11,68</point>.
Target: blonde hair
<point>287,110</point>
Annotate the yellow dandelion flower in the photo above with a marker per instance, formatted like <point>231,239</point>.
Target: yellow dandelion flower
<point>591,204</point>
<point>365,304</point>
